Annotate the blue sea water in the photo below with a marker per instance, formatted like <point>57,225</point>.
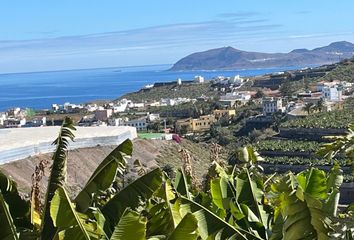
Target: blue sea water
<point>38,90</point>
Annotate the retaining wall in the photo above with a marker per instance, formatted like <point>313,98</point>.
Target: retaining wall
<point>17,152</point>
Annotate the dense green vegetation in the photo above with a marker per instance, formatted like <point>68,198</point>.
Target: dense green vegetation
<point>287,146</point>
<point>337,119</point>
<point>231,203</point>
<point>296,161</point>
<point>189,90</point>
<point>343,72</point>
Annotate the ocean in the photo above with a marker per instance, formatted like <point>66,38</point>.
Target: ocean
<point>38,90</point>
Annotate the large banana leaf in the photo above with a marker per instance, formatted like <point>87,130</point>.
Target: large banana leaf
<point>130,226</point>
<point>8,229</point>
<point>181,183</point>
<point>334,181</point>
<point>220,192</point>
<point>104,175</point>
<point>186,229</point>
<point>65,218</point>
<point>313,182</point>
<point>163,216</point>
<point>210,224</point>
<point>131,197</point>
<point>249,156</point>
<point>57,175</point>
<point>173,203</point>
<point>250,195</point>
<point>300,206</point>
<point>19,208</point>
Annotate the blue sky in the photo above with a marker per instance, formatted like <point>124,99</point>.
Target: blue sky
<point>51,35</point>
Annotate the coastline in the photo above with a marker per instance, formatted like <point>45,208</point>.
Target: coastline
<point>102,84</point>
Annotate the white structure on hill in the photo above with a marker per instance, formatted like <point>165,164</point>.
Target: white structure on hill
<point>199,79</point>
<point>179,81</point>
<point>236,80</point>
<point>272,105</point>
<point>140,123</point>
<point>39,140</point>
<point>229,99</point>
<point>332,94</point>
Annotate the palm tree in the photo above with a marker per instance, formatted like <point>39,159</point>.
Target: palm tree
<point>308,108</point>
<point>320,105</point>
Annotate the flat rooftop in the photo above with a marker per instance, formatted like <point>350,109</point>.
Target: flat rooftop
<point>11,138</point>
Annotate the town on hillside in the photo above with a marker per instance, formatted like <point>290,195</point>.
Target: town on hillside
<point>195,107</point>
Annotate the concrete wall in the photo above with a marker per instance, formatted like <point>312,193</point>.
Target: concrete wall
<point>10,154</point>
<point>316,134</point>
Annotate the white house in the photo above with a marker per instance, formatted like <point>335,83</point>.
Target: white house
<point>272,105</point>
<point>179,81</point>
<point>121,106</point>
<point>323,84</point>
<point>136,105</point>
<point>117,121</point>
<point>140,124</point>
<point>199,79</point>
<point>333,93</point>
<point>167,102</point>
<point>229,99</point>
<point>153,117</point>
<point>236,80</point>
<point>3,117</point>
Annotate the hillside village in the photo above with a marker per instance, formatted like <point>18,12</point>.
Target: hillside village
<point>222,98</point>
<point>284,116</point>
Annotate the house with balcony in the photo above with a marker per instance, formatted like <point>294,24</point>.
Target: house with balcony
<point>201,124</point>
<point>272,105</point>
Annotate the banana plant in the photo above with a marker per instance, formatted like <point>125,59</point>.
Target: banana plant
<point>242,204</point>
<point>301,204</point>
<point>57,174</point>
<point>104,175</point>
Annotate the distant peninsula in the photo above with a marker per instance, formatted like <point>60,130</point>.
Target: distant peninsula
<point>230,58</point>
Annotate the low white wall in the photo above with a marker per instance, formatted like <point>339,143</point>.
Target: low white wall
<point>20,152</point>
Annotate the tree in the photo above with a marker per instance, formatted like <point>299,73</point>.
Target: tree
<point>183,129</point>
<point>309,107</point>
<point>259,94</point>
<point>306,83</point>
<point>155,126</point>
<point>287,89</point>
<point>320,105</point>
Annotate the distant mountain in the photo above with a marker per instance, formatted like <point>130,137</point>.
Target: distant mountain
<point>231,58</point>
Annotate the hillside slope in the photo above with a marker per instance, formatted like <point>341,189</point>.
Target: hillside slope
<point>343,72</point>
<point>82,162</point>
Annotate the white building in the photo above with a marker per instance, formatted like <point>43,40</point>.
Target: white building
<point>179,81</point>
<point>229,99</point>
<point>136,105</point>
<point>55,107</point>
<point>323,84</point>
<point>167,102</point>
<point>333,93</point>
<point>272,105</point>
<point>3,117</point>
<point>140,124</point>
<point>153,117</point>
<point>121,106</point>
<point>92,107</point>
<point>149,86</point>
<point>236,80</point>
<point>199,79</point>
